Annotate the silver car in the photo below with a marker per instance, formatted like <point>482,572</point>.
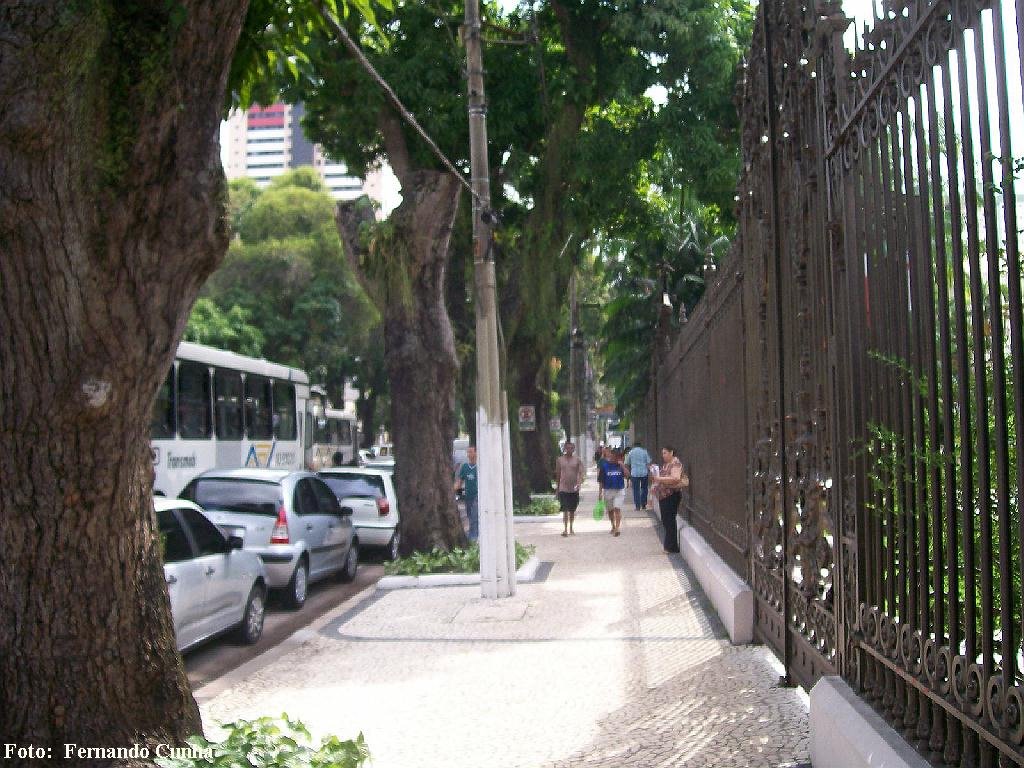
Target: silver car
<point>290,519</point>
<point>370,494</point>
<point>213,584</point>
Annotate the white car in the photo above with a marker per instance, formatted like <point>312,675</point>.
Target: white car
<point>291,520</point>
<point>370,494</point>
<point>214,584</point>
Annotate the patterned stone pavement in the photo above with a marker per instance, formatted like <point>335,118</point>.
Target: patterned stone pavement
<point>614,659</point>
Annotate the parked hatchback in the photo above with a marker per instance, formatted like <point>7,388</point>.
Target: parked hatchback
<point>292,520</point>
<point>213,584</point>
<point>370,494</point>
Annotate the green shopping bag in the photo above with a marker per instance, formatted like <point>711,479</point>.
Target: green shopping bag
<point>599,509</point>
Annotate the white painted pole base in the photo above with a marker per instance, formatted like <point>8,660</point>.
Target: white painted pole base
<point>497,578</point>
<point>510,536</point>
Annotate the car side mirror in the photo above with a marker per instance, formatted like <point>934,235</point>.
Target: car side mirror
<point>346,511</point>
<point>235,542</point>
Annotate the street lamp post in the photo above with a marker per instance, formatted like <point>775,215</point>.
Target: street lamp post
<point>497,543</point>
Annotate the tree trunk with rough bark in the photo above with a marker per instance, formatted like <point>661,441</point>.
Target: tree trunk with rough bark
<point>111,218</point>
<point>537,459</point>
<point>402,264</point>
<point>538,291</point>
<point>461,303</point>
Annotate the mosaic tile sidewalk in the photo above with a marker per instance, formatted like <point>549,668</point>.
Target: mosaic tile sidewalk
<point>614,659</point>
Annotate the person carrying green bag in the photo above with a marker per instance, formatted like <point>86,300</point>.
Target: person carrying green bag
<point>612,481</point>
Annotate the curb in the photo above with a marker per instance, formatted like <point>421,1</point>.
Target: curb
<point>557,517</point>
<point>299,637</point>
<point>526,573</point>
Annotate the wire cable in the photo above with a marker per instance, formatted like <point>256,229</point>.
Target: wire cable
<point>392,97</point>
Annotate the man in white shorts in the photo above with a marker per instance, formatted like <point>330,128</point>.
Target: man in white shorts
<point>612,479</point>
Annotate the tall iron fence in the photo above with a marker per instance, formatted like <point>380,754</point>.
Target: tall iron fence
<point>711,442</point>
<point>848,395</point>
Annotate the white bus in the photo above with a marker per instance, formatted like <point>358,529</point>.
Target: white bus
<point>219,410</point>
<point>335,433</point>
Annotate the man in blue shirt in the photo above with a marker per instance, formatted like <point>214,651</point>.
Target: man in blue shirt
<point>611,479</point>
<point>637,462</point>
<point>468,482</point>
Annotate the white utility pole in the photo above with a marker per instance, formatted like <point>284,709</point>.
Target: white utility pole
<point>497,543</point>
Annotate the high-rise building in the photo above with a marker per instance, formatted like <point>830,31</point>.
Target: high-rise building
<point>265,141</point>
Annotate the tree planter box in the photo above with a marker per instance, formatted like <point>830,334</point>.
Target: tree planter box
<point>526,573</point>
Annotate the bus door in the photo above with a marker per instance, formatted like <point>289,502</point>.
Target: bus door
<point>228,393</point>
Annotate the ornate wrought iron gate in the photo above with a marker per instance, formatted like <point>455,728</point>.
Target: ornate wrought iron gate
<point>876,284</point>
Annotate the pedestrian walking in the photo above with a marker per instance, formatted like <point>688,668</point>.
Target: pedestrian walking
<point>568,479</point>
<point>601,459</point>
<point>611,479</point>
<point>667,487</point>
<point>467,482</point>
<point>637,461</point>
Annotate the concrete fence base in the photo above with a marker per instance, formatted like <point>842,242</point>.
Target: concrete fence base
<point>847,733</point>
<point>729,594</point>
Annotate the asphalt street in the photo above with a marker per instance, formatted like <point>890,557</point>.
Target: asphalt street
<point>210,660</point>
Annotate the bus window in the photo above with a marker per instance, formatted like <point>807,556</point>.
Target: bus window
<point>258,417</point>
<point>344,433</point>
<point>323,430</point>
<point>308,437</point>
<point>161,424</point>
<point>284,411</point>
<point>227,398</point>
<point>193,400</point>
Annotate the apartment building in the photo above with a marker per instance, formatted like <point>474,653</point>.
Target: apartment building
<point>265,141</point>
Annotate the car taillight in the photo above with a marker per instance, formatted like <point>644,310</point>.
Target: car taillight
<point>383,507</point>
<point>280,533</point>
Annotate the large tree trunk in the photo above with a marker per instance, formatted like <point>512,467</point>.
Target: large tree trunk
<point>460,301</point>
<point>111,218</point>
<point>537,288</point>
<point>532,455</point>
<point>405,274</point>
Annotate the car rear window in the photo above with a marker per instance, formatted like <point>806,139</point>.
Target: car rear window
<point>355,486</point>
<point>247,496</point>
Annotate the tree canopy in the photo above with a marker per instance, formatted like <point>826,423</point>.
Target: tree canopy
<point>592,109</point>
<point>285,289</point>
<point>654,275</point>
<point>636,104</point>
